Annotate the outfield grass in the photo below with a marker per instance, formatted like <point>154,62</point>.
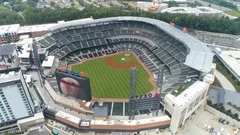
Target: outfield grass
<point>108,82</point>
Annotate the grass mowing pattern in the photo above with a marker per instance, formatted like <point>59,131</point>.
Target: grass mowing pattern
<point>108,82</point>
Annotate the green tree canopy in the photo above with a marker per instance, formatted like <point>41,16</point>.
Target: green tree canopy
<point>9,17</point>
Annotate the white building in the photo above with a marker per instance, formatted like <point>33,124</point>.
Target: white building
<point>151,7</point>
<point>183,105</point>
<point>8,56</point>
<point>35,30</point>
<point>9,33</point>
<point>49,65</point>
<point>15,100</point>
<point>177,1</point>
<point>24,55</point>
<point>231,59</point>
<point>27,123</point>
<point>198,11</point>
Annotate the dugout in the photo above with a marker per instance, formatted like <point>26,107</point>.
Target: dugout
<point>100,112</point>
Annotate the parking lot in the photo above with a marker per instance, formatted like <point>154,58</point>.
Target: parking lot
<point>217,38</point>
<point>195,126</point>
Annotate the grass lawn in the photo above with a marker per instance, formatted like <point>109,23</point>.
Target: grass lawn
<point>108,82</point>
<point>234,106</point>
<point>233,13</point>
<point>182,88</point>
<point>217,83</point>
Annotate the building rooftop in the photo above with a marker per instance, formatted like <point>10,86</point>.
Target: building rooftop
<point>182,88</point>
<point>48,62</point>
<point>35,28</point>
<point>191,10</point>
<point>39,131</point>
<point>28,78</point>
<point>232,59</point>
<point>130,122</point>
<point>69,117</point>
<point>37,117</point>
<point>188,94</point>
<point>7,49</point>
<point>199,55</point>
<point>13,28</point>
<point>178,1</point>
<point>100,111</point>
<point>10,74</point>
<point>234,54</point>
<point>25,44</point>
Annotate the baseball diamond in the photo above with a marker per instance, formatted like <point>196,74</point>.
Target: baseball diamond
<point>109,75</point>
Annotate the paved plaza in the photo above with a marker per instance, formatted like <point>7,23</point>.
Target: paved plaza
<point>224,81</point>
<point>197,122</point>
<point>229,96</point>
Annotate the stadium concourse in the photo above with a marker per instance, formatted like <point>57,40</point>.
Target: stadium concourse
<point>156,43</point>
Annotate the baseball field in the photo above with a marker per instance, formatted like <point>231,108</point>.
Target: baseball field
<point>109,75</point>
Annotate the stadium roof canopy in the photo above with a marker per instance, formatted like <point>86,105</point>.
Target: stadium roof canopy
<point>199,55</point>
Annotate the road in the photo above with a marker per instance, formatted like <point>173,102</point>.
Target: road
<point>221,39</point>
<point>214,5</point>
<point>224,81</point>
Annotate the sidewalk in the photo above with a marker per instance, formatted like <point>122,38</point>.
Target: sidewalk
<point>224,81</point>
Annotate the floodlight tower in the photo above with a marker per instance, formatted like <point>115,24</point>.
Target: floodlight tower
<point>133,79</point>
<point>132,92</point>
<point>38,62</point>
<point>160,79</point>
<point>160,87</point>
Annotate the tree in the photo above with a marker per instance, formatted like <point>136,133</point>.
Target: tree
<point>9,60</point>
<point>9,17</point>
<point>47,15</point>
<point>52,3</point>
<point>229,112</point>
<point>172,4</point>
<point>235,115</point>
<point>222,109</point>
<point>209,102</point>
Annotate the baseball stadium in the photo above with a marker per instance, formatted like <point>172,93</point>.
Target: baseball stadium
<point>103,51</point>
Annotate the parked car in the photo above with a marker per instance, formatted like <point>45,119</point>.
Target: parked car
<point>220,119</point>
<point>223,121</point>
<point>205,126</point>
<point>208,128</point>
<point>212,129</point>
<point>222,129</point>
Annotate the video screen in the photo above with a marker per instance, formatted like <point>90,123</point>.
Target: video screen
<point>72,84</point>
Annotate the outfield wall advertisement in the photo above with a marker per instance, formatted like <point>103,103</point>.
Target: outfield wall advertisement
<point>72,84</point>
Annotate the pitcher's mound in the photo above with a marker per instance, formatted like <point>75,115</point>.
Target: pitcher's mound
<point>127,54</point>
